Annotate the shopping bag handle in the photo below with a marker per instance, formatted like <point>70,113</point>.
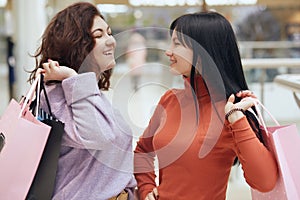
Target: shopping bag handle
<point>41,87</point>
<point>35,104</point>
<point>29,95</point>
<point>38,89</point>
<point>257,103</point>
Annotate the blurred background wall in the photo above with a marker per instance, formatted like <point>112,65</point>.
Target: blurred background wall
<point>268,32</point>
<point>264,29</point>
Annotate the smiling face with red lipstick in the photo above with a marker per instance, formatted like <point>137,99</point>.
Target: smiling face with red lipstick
<point>180,55</point>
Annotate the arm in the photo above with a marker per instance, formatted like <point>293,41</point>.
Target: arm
<point>144,156</point>
<point>88,112</point>
<point>258,163</point>
<point>91,125</point>
<point>144,166</point>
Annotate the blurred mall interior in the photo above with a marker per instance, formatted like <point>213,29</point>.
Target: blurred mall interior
<point>268,33</point>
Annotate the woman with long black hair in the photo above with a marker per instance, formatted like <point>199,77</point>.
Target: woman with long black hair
<point>198,132</point>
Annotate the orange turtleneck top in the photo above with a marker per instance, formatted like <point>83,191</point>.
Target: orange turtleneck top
<point>195,157</point>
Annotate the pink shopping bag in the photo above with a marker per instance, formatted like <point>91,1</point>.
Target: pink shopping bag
<point>24,141</point>
<point>284,142</point>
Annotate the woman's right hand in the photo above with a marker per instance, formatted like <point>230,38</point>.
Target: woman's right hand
<point>152,195</point>
<point>52,71</point>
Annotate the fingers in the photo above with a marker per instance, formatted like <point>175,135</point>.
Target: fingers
<point>245,93</point>
<point>152,195</point>
<point>248,99</point>
<point>231,98</point>
<point>47,71</point>
<point>46,67</point>
<point>229,103</point>
<point>53,71</point>
<point>155,193</point>
<point>38,72</point>
<point>246,103</point>
<point>50,69</point>
<point>53,63</point>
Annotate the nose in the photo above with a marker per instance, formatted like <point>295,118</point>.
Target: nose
<point>168,52</point>
<point>111,41</point>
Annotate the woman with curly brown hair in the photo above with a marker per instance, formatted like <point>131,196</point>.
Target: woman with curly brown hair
<point>96,160</point>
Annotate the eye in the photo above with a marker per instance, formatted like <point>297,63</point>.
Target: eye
<point>177,43</point>
<point>97,36</point>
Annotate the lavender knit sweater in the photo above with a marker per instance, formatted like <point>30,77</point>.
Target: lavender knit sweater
<point>96,160</point>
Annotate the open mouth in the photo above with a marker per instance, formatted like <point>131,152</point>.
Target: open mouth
<point>108,53</point>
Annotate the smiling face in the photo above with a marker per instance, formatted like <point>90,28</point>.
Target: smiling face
<point>105,44</point>
<point>180,56</point>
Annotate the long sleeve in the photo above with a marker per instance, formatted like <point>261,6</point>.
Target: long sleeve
<point>96,158</point>
<point>144,153</point>
<point>90,126</point>
<point>174,139</point>
<point>144,166</point>
<point>258,163</point>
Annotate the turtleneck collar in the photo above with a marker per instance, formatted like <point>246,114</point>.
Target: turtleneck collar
<point>200,87</point>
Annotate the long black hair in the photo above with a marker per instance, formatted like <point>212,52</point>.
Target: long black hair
<point>214,44</point>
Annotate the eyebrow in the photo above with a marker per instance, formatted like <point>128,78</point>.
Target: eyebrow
<point>175,38</point>
<point>100,29</point>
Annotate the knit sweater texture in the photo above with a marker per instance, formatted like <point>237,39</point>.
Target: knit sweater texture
<point>195,157</point>
<point>96,159</point>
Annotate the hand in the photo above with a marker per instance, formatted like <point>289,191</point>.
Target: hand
<point>245,93</point>
<point>52,71</point>
<point>152,195</point>
<point>38,72</point>
<point>248,100</point>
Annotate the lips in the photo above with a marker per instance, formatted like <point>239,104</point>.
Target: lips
<point>172,62</point>
<point>109,52</point>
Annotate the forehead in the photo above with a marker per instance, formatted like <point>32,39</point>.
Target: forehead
<point>99,23</point>
<point>176,33</point>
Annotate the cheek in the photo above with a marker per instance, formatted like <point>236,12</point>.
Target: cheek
<point>184,55</point>
<point>188,56</point>
<point>186,70</point>
<point>98,57</point>
<point>98,49</point>
<point>184,61</point>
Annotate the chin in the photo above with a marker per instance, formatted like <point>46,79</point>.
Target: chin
<point>109,66</point>
<point>174,72</point>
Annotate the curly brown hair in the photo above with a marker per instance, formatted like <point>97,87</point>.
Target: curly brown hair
<point>68,40</point>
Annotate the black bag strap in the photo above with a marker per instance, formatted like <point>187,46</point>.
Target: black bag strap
<point>43,183</point>
<point>34,105</point>
<point>42,85</point>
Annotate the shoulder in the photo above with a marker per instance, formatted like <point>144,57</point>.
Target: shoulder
<point>171,95</point>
